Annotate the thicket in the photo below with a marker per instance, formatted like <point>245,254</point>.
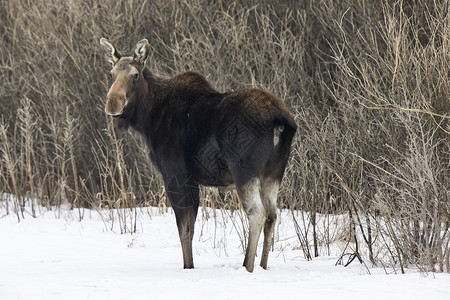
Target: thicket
<point>367,81</point>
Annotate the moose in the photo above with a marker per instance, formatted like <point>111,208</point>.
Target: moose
<point>198,136</point>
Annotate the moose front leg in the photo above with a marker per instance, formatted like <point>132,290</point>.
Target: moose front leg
<point>185,222</point>
<point>184,197</point>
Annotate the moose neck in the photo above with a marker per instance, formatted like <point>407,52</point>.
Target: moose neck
<point>149,97</point>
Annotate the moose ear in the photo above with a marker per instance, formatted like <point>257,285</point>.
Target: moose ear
<point>112,55</point>
<point>141,52</point>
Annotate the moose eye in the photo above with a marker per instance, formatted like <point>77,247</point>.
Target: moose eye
<point>136,76</point>
<point>110,76</point>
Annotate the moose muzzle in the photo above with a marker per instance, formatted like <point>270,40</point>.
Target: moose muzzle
<point>115,104</point>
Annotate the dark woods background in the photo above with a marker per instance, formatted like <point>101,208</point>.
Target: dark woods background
<point>368,83</point>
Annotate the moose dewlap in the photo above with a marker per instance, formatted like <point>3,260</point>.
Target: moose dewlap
<point>198,136</point>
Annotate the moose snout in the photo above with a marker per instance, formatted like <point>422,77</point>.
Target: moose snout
<point>115,104</point>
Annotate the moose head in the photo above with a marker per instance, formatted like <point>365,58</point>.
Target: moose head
<point>128,82</point>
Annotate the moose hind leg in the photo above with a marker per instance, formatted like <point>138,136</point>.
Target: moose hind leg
<point>250,197</point>
<point>269,193</point>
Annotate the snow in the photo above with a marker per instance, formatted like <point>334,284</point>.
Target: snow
<point>55,256</point>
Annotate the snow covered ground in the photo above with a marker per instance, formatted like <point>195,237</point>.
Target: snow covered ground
<point>62,258</point>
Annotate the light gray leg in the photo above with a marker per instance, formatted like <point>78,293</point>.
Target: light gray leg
<point>269,193</point>
<point>250,197</point>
